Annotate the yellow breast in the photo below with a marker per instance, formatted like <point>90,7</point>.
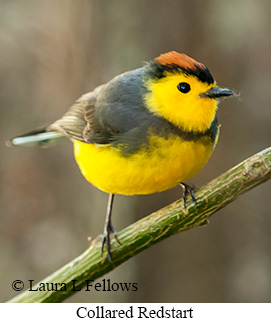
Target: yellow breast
<point>160,166</point>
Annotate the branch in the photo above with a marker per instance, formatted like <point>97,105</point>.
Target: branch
<point>154,228</point>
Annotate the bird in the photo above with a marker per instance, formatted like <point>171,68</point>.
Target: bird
<point>145,131</point>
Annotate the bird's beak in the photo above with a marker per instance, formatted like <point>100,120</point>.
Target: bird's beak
<point>216,92</point>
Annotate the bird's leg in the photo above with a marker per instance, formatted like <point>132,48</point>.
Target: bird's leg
<point>188,190</point>
<point>108,228</point>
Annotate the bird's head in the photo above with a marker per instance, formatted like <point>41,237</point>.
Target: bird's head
<point>183,91</point>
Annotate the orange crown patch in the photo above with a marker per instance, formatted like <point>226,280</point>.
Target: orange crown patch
<point>178,59</point>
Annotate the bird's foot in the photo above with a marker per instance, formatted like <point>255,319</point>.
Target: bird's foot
<point>189,190</point>
<point>106,240</point>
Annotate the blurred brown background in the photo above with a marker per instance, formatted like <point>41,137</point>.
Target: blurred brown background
<point>54,51</point>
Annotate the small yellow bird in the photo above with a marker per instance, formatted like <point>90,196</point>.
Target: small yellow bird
<point>145,131</point>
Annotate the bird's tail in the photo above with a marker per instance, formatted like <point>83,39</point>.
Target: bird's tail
<point>40,137</point>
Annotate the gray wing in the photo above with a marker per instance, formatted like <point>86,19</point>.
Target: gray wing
<point>113,113</point>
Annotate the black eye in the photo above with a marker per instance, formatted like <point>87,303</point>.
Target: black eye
<point>183,87</point>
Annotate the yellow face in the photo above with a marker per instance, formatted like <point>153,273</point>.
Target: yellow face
<point>168,97</point>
